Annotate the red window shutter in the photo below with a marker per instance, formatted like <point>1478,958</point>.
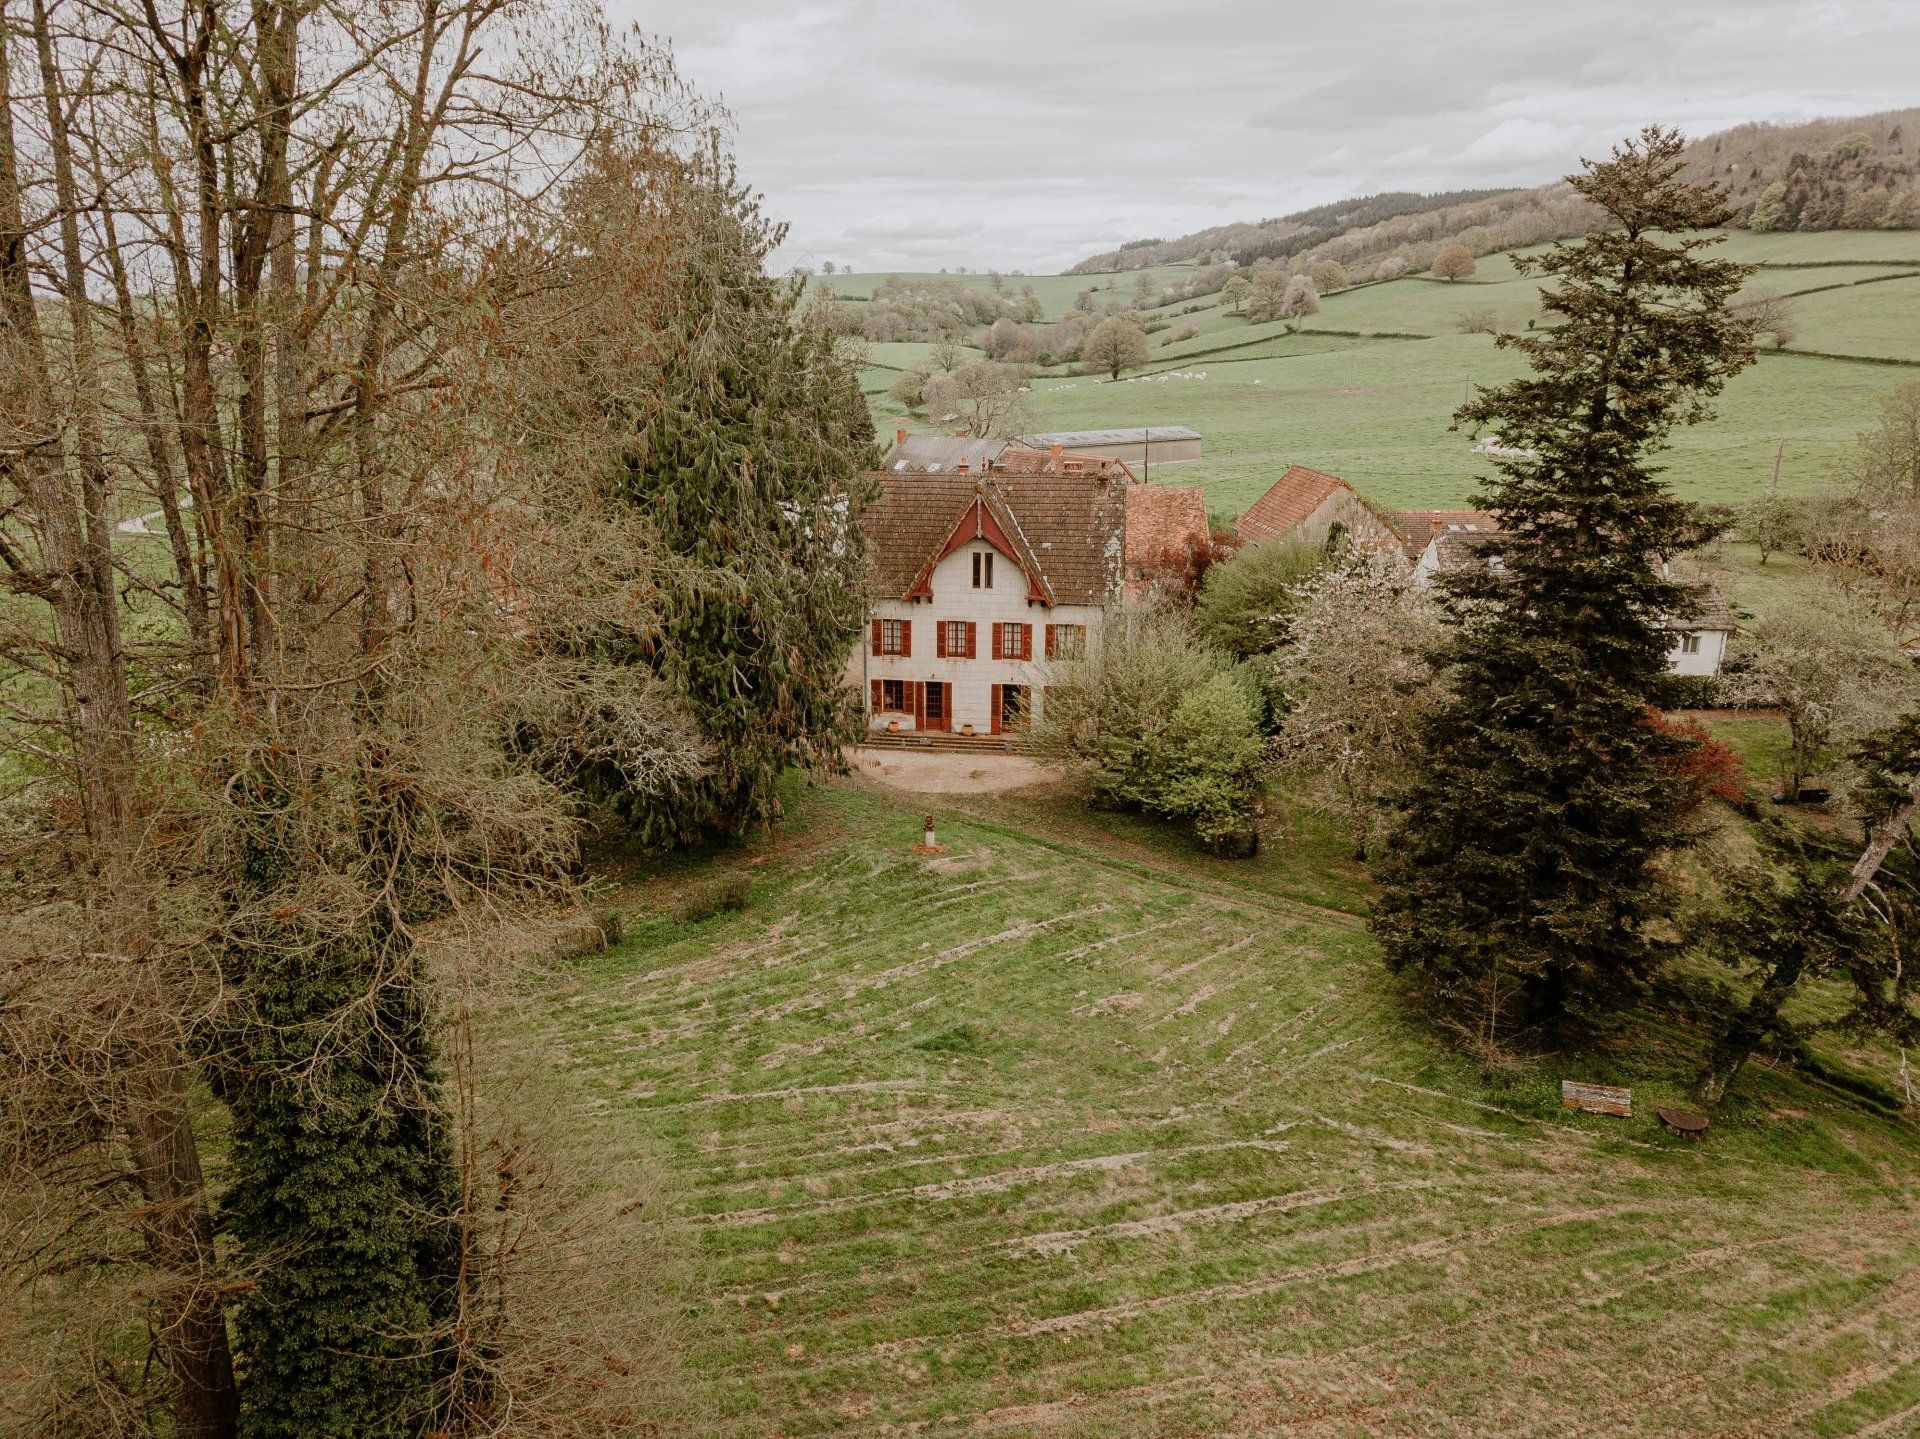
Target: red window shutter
<point>1026,642</point>
<point>1049,641</point>
<point>940,640</point>
<point>876,641</point>
<point>906,637</point>
<point>878,703</point>
<point>919,704</point>
<point>996,705</point>
<point>973,640</point>
<point>998,648</point>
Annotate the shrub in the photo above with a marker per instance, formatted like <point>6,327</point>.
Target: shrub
<point>1479,322</point>
<point>728,894</point>
<point>1247,603</point>
<point>1158,722</point>
<point>1184,332</point>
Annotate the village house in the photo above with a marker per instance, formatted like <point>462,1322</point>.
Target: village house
<point>982,576</point>
<point>1305,504</point>
<point>1456,538</point>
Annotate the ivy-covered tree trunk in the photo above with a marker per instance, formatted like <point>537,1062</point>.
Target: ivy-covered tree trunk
<point>1531,835</point>
<point>344,1193</point>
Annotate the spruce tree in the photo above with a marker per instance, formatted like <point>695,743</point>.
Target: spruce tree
<point>748,461</point>
<point>1523,879</point>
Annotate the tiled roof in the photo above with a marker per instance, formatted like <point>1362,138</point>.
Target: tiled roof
<point>1015,459</point>
<point>1418,527</point>
<point>941,454</point>
<point>1709,611</point>
<point>1291,500</point>
<point>1084,439</point>
<point>1162,518</point>
<point>1070,527</point>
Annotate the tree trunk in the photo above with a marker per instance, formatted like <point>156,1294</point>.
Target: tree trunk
<point>1740,1038</point>
<point>178,1232</point>
<point>1757,1018</point>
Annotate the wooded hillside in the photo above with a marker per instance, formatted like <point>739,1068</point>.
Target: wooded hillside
<point>1851,173</point>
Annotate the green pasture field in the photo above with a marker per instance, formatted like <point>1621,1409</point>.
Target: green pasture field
<point>1070,1131</point>
<point>1377,411</point>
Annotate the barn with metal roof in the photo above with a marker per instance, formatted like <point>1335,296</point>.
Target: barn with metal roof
<point>1140,447</point>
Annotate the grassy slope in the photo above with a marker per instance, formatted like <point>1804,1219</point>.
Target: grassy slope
<point>1070,1132</point>
<point>1377,411</point>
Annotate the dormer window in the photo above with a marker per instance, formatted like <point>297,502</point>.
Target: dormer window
<point>982,570</point>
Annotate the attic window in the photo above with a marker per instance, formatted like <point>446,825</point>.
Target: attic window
<point>934,468</point>
<point>982,570</point>
<point>899,465</point>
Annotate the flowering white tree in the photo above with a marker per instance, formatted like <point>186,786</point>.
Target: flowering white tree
<point>1357,682</point>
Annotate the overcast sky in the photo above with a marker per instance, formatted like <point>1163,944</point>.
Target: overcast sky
<point>912,134</point>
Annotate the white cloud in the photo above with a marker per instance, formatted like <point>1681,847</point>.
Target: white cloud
<point>1029,133</point>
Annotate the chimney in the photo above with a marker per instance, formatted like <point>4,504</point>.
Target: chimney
<point>963,467</point>
<point>1053,457</point>
<point>900,435</point>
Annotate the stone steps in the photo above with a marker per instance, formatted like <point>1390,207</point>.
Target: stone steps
<point>942,742</point>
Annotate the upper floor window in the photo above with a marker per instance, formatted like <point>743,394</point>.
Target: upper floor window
<point>893,637</point>
<point>982,570</point>
<point>1066,642</point>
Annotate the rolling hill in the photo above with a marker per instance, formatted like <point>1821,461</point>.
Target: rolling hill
<point>1851,172</point>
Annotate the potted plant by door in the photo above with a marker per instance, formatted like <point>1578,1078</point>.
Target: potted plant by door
<point>893,726</point>
<point>966,729</point>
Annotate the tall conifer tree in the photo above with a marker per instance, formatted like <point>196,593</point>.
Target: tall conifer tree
<point>748,461</point>
<point>1523,878</point>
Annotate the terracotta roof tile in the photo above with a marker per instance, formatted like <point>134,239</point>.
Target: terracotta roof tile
<point>1287,504</point>
<point>1417,528</point>
<point>1162,518</point>
<point>1071,527</point>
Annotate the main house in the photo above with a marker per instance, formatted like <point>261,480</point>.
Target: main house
<point>989,563</point>
<point>1305,504</point>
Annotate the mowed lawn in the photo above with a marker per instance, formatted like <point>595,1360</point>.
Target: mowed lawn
<point>1071,1132</point>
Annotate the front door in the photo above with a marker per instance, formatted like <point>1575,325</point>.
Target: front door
<point>939,703</point>
<point>1013,709</point>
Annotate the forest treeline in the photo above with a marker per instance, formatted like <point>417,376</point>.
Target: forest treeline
<point>410,470</point>
<point>1850,173</point>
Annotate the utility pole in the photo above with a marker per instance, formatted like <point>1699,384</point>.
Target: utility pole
<point>1146,455</point>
